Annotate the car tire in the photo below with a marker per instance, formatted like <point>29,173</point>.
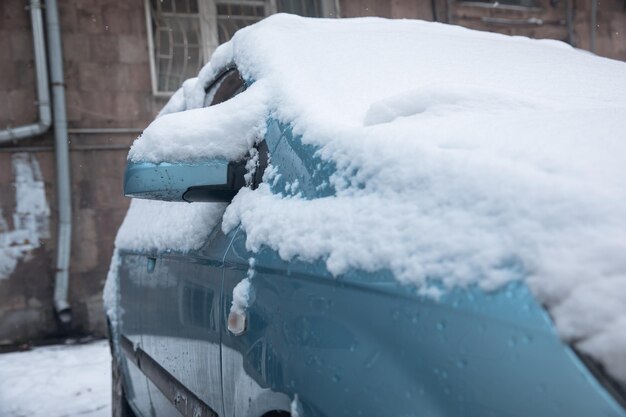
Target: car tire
<point>119,403</point>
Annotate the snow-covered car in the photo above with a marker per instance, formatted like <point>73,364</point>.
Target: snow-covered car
<point>388,218</point>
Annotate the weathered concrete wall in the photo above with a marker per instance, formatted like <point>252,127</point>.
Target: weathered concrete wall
<point>407,9</point>
<point>108,86</point>
<point>549,19</point>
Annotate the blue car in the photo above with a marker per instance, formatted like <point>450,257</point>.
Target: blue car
<point>306,341</point>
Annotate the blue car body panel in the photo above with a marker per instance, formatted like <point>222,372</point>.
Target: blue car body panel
<point>360,344</point>
<point>364,344</point>
<point>349,347</point>
<point>169,182</point>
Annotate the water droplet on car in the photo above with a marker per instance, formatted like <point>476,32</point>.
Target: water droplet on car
<point>313,360</point>
<point>372,359</point>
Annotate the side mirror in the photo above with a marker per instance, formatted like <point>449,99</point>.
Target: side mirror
<point>211,181</point>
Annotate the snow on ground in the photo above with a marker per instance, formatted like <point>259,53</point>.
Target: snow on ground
<point>57,381</point>
<point>462,157</point>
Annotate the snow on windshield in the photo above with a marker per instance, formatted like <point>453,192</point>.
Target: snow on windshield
<point>462,158</point>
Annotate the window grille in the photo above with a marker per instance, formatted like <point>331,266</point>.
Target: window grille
<point>302,8</point>
<point>512,3</point>
<point>182,34</point>
<point>233,15</point>
<point>177,41</point>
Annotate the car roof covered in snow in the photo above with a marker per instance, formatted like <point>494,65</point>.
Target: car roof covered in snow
<point>352,72</point>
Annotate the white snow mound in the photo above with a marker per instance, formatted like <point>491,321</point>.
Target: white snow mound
<point>161,225</point>
<point>227,130</point>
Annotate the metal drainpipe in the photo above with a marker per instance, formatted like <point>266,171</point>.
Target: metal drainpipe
<point>41,71</point>
<point>569,17</point>
<point>594,24</point>
<point>55,57</point>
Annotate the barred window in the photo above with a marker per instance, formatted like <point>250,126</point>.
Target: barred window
<point>184,33</point>
<point>496,3</point>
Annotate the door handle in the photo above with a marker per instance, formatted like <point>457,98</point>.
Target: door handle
<point>151,265</point>
<point>237,321</point>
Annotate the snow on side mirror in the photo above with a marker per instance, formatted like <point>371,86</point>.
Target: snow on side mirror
<point>210,181</point>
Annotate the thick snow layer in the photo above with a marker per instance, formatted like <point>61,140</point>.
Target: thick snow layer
<point>241,296</point>
<point>227,130</point>
<point>110,294</point>
<point>55,381</point>
<point>462,157</point>
<point>242,292</point>
<point>30,219</point>
<point>159,225</point>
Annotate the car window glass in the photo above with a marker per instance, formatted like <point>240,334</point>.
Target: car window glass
<point>225,87</point>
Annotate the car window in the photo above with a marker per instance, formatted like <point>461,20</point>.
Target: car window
<point>225,87</point>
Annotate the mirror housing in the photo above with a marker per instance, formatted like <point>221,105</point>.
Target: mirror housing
<point>210,181</point>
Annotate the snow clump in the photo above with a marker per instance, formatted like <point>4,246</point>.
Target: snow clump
<point>227,130</point>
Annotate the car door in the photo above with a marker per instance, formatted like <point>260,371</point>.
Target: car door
<point>256,378</point>
<point>180,330</point>
<point>131,268</point>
